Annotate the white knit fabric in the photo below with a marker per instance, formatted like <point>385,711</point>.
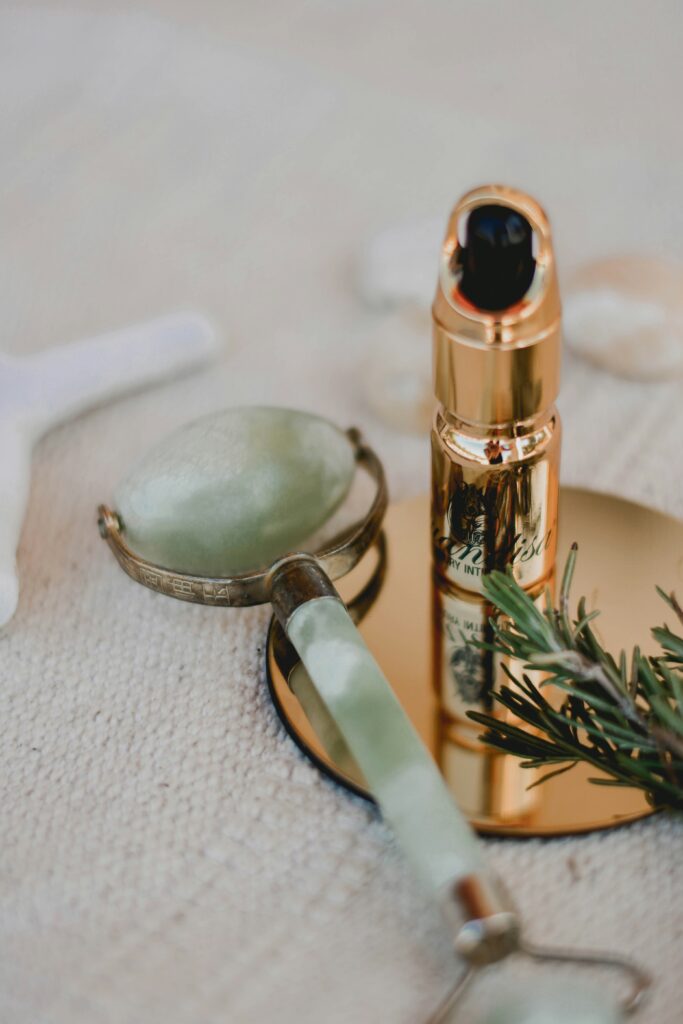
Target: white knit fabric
<point>167,855</point>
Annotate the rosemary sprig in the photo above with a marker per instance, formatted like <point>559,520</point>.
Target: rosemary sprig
<point>623,716</point>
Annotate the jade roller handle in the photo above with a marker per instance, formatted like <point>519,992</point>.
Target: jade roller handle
<point>398,768</point>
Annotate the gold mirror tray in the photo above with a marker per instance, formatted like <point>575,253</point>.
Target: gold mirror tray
<point>624,550</point>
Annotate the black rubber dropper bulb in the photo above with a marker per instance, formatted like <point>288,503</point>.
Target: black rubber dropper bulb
<point>497,259</point>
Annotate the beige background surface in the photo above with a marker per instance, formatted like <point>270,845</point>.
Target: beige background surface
<point>167,855</point>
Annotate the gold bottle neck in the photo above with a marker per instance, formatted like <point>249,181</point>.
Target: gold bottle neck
<point>444,421</point>
<point>501,366</point>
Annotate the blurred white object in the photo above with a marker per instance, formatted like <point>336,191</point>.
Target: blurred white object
<point>397,273</point>
<point>40,391</point>
<point>397,375</point>
<point>625,315</point>
<point>400,264</point>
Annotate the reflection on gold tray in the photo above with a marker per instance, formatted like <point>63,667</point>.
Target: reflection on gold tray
<point>624,550</point>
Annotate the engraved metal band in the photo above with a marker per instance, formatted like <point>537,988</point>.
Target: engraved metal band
<point>339,556</point>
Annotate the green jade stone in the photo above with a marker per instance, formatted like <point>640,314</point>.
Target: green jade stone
<point>560,1003</point>
<point>236,490</point>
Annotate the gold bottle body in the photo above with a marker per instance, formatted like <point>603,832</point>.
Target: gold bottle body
<point>494,506</point>
<point>495,493</point>
<point>496,439</point>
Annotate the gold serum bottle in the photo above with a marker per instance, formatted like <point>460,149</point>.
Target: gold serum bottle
<point>495,464</point>
<point>496,432</point>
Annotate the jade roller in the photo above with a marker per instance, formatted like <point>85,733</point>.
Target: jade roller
<point>220,513</point>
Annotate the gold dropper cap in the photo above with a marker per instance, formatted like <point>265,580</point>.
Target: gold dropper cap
<point>497,366</point>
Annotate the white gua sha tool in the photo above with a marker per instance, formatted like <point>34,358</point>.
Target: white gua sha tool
<point>38,392</point>
<point>219,514</point>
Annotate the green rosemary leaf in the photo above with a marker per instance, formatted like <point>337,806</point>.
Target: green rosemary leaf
<point>668,641</point>
<point>583,622</point>
<point>675,681</point>
<point>563,611</point>
<point>531,692</point>
<point>548,609</point>
<point>634,681</point>
<point>590,698</point>
<point>598,781</point>
<point>568,574</point>
<point>647,676</point>
<point>551,775</point>
<point>666,713</point>
<point>507,747</point>
<point>544,762</point>
<point>672,603</point>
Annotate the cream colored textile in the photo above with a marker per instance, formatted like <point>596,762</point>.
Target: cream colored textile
<point>167,856</point>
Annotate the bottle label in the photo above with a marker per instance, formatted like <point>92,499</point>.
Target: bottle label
<point>504,517</point>
<point>465,674</point>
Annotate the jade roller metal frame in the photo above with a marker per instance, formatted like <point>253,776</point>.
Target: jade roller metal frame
<point>350,687</point>
<point>267,585</point>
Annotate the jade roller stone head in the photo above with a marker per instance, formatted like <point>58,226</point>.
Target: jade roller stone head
<point>233,491</point>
